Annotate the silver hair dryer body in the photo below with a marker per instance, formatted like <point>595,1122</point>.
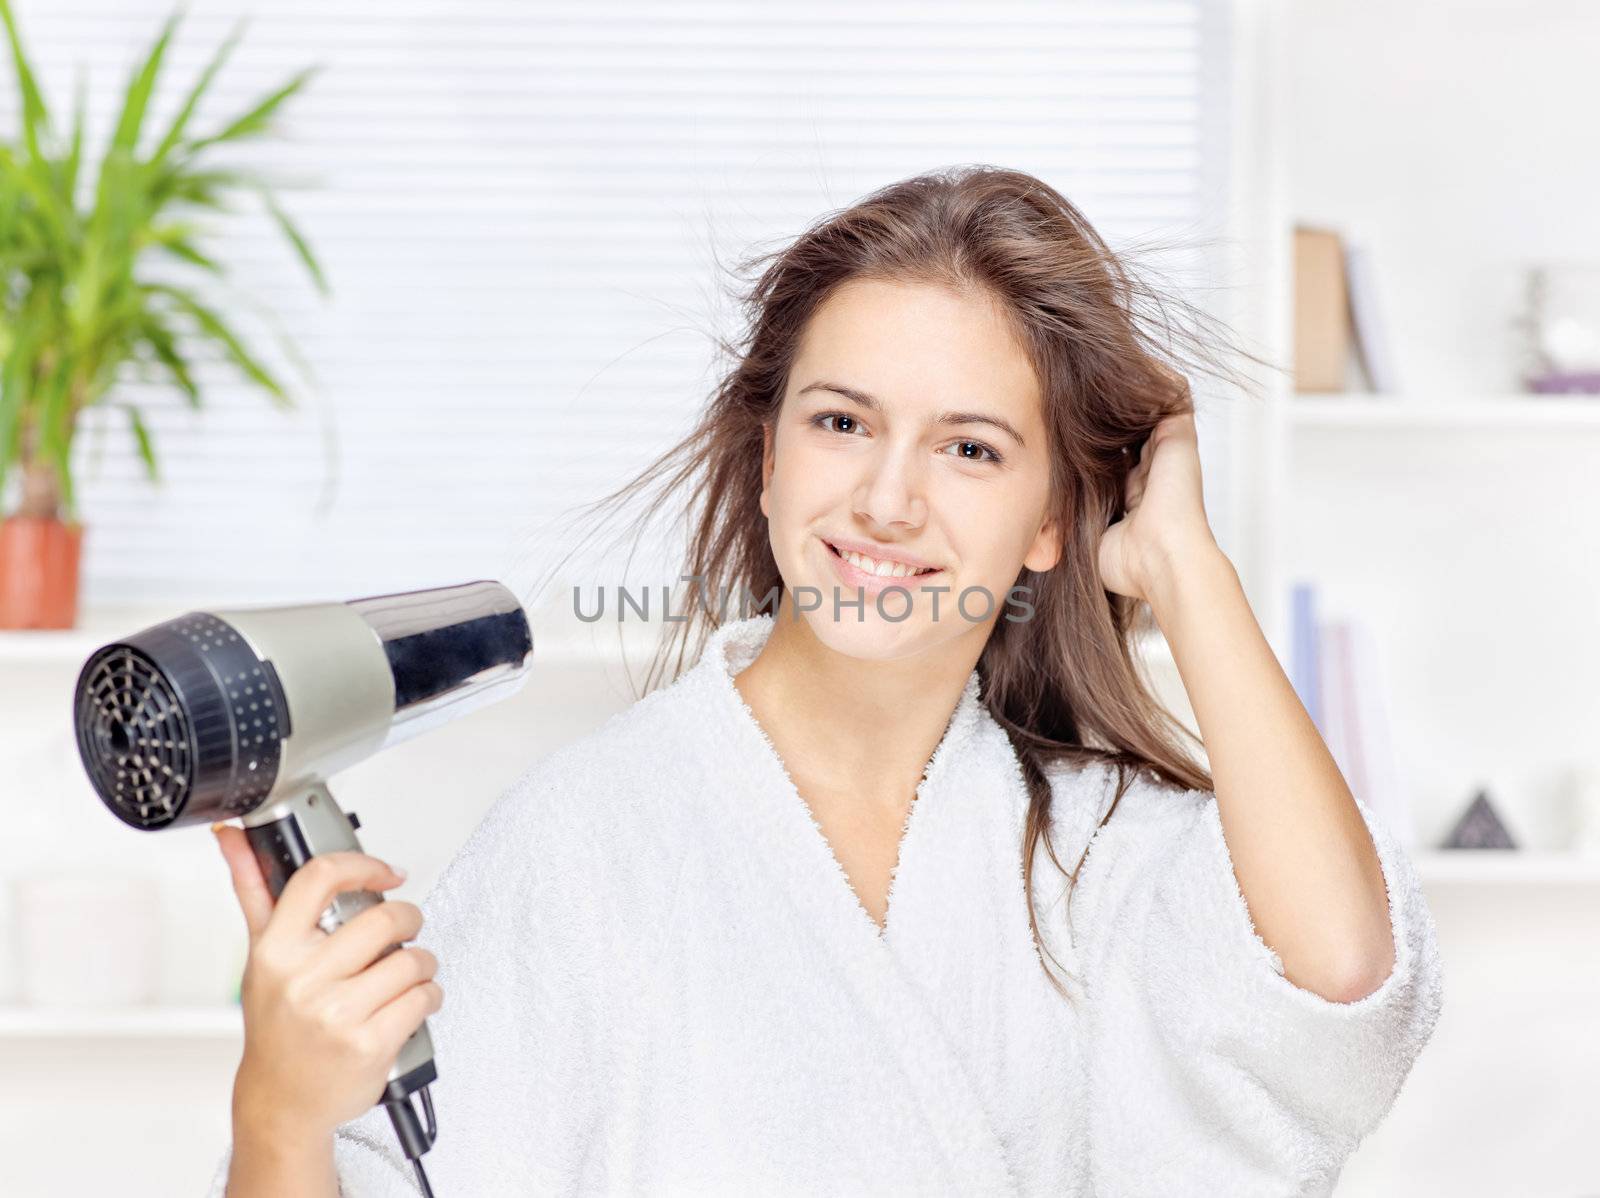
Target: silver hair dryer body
<point>244,713</point>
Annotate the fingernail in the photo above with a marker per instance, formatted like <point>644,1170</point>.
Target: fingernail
<point>217,827</point>
<point>399,872</point>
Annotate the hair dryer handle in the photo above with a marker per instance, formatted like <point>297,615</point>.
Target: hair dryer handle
<point>286,835</point>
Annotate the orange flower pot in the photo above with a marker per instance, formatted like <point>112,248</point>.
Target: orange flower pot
<point>39,572</point>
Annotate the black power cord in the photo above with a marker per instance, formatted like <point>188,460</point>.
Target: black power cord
<point>415,1139</point>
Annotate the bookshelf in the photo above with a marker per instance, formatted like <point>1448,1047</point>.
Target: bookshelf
<point>1454,516</point>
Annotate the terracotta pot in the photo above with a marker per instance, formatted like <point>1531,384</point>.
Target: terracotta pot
<point>39,572</point>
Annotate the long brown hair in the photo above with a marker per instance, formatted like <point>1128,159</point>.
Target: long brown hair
<point>1111,362</point>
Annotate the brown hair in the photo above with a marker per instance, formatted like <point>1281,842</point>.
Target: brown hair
<point>1063,685</point>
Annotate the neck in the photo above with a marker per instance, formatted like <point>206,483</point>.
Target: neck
<point>850,725</point>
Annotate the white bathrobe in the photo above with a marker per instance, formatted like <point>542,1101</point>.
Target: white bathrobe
<point>659,981</point>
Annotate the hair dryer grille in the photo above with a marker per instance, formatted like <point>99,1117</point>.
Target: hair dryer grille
<point>135,736</point>
<point>180,723</point>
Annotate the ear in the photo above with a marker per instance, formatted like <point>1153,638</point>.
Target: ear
<point>766,467</point>
<point>1045,551</point>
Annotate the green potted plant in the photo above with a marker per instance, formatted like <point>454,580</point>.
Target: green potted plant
<point>78,303</point>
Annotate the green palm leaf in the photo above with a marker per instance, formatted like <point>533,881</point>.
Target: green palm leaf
<point>178,240</point>
<point>301,248</point>
<point>69,170</point>
<point>141,434</point>
<point>163,344</point>
<point>35,114</point>
<point>181,121</point>
<point>140,85</point>
<point>214,326</point>
<point>258,119</point>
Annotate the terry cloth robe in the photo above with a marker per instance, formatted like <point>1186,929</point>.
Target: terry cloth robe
<point>658,980</point>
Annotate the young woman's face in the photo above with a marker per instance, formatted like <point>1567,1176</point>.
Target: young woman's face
<point>910,429</point>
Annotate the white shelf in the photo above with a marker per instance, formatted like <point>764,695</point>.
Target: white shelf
<point>1437,867</point>
<point>1461,412</point>
<point>200,1022</point>
<point>569,643</point>
<point>1518,867</point>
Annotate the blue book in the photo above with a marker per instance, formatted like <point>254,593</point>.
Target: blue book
<point>1304,673</point>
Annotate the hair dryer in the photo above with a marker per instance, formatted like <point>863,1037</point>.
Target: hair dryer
<point>244,713</point>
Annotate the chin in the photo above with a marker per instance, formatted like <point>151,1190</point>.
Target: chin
<point>864,633</point>
<point>872,638</point>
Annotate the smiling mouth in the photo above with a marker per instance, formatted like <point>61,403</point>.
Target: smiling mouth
<point>867,565</point>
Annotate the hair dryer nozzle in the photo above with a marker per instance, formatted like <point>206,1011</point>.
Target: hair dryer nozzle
<point>180,723</point>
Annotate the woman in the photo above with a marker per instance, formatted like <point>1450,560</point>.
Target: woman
<point>779,927</point>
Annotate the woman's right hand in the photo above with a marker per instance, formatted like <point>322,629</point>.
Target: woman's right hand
<point>324,1016</point>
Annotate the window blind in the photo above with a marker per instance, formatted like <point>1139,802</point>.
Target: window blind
<point>522,209</point>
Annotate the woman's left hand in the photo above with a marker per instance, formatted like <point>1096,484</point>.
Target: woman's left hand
<point>1166,516</point>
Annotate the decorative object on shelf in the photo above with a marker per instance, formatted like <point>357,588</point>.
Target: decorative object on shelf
<point>1560,329</point>
<point>1583,796</point>
<point>87,939</point>
<point>77,304</point>
<point>1337,322</point>
<point>1479,827</point>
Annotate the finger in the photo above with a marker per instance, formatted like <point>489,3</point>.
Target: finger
<point>311,887</point>
<point>403,1014</point>
<point>1179,424</point>
<point>249,887</point>
<point>385,980</point>
<point>1134,489</point>
<point>361,941</point>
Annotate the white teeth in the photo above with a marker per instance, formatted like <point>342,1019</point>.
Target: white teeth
<point>873,566</point>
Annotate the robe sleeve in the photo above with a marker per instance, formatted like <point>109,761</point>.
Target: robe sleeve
<point>517,1041</point>
<point>1208,1062</point>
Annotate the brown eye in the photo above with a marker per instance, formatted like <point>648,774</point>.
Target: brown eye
<point>822,421</point>
<point>981,449</point>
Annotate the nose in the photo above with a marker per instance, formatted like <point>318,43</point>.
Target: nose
<point>892,490</point>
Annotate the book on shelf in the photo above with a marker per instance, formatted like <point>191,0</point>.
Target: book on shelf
<point>1337,670</point>
<point>1371,335</point>
<point>1304,654</point>
<point>1339,329</point>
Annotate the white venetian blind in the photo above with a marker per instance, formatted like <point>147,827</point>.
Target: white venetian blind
<point>521,207</point>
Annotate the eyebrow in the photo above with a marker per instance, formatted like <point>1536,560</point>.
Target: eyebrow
<point>872,405</point>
